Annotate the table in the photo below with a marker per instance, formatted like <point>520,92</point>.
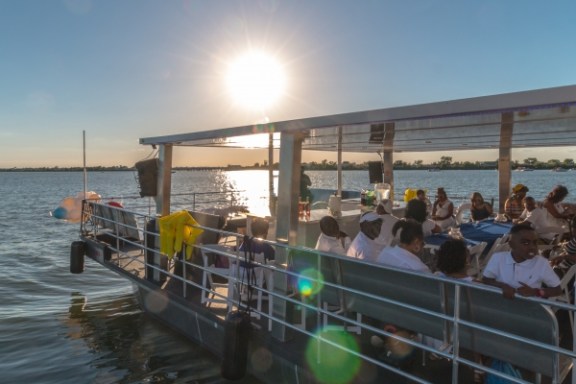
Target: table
<point>474,233</point>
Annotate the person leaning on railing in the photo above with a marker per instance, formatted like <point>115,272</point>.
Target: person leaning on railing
<point>522,270</point>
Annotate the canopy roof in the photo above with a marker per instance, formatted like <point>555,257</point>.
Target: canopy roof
<point>541,118</point>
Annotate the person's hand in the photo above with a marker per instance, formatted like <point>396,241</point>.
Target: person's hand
<point>526,290</point>
<point>508,292</point>
<point>557,260</point>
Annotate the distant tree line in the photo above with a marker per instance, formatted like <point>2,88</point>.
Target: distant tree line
<point>445,162</point>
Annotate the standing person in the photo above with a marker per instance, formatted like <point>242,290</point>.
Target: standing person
<point>557,213</point>
<point>443,210</point>
<point>514,206</point>
<point>522,270</point>
<point>305,184</point>
<point>331,239</point>
<point>480,209</point>
<point>384,209</point>
<point>405,254</point>
<point>364,245</point>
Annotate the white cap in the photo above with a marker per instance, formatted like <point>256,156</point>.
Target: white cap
<point>369,216</point>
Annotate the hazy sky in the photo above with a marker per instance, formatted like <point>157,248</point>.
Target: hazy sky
<point>125,69</point>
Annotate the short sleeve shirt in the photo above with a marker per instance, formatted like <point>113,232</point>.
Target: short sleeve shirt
<point>401,258</point>
<point>364,248</point>
<point>533,272</point>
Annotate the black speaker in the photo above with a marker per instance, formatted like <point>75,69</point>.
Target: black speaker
<point>375,172</point>
<point>148,176</point>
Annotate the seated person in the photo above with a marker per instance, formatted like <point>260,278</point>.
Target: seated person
<point>416,210</point>
<point>480,210</point>
<point>453,260</point>
<point>557,212</point>
<point>364,245</point>
<point>331,239</point>
<point>443,210</point>
<point>514,206</point>
<point>421,195</point>
<point>567,258</point>
<point>535,217</point>
<point>254,245</point>
<point>405,254</point>
<point>522,270</point>
<point>384,209</point>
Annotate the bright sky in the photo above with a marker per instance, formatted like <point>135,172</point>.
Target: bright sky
<point>125,69</point>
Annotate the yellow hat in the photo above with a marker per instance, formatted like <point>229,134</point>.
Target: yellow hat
<point>519,188</point>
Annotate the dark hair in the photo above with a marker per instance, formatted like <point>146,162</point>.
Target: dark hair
<point>452,256</point>
<point>420,192</point>
<point>259,228</point>
<point>410,230</point>
<point>475,195</point>
<point>329,226</point>
<point>558,194</point>
<point>416,209</point>
<point>517,228</point>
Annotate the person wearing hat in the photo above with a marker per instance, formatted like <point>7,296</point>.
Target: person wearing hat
<point>514,205</point>
<point>384,209</point>
<point>364,245</point>
<point>331,238</point>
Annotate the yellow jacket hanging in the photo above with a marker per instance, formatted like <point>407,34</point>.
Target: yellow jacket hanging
<point>177,229</point>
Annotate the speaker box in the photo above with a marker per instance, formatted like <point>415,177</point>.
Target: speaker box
<point>375,172</point>
<point>148,176</point>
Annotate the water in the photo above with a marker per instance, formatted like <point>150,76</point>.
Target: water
<point>56,327</point>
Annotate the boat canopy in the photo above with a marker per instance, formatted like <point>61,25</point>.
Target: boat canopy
<point>540,118</point>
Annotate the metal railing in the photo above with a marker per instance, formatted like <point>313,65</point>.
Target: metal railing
<point>130,254</point>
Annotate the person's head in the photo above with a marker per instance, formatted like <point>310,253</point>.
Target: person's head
<point>384,207</point>
<point>416,209</point>
<point>523,242</point>
<point>421,194</point>
<point>477,198</point>
<point>453,257</point>
<point>259,228</point>
<point>558,194</point>
<point>410,234</point>
<point>370,224</point>
<point>441,194</point>
<point>329,226</point>
<point>520,190</point>
<point>529,203</point>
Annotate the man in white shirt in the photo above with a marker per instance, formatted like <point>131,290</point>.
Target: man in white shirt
<point>536,217</point>
<point>364,245</point>
<point>522,270</point>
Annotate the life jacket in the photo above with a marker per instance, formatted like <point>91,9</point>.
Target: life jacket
<point>176,230</point>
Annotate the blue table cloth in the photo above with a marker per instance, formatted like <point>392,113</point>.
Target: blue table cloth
<point>474,233</point>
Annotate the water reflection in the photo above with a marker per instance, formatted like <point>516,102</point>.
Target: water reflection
<point>125,346</point>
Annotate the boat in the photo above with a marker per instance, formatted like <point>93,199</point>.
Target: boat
<point>524,169</point>
<point>309,316</point>
<point>559,169</point>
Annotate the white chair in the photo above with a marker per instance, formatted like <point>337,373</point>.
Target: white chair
<point>462,209</point>
<point>565,297</point>
<point>475,254</point>
<point>500,245</point>
<point>209,293</point>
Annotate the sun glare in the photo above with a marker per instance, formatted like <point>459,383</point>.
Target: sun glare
<point>255,80</point>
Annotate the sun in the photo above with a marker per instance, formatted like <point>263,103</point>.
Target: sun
<point>255,80</point>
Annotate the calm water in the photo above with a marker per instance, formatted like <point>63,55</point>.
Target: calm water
<point>56,327</point>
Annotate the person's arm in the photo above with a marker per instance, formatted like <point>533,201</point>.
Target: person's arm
<point>434,206</point>
<point>544,293</point>
<point>507,291</point>
<point>549,206</point>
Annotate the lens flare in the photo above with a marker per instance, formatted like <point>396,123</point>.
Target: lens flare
<point>310,282</point>
<point>332,356</point>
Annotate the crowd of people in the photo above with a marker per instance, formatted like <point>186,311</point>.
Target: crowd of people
<point>519,271</point>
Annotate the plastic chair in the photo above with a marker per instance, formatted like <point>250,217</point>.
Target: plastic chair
<point>209,293</point>
<point>475,254</point>
<point>500,245</point>
<point>566,296</point>
<point>460,212</point>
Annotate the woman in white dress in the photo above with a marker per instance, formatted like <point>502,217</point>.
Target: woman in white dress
<point>443,210</point>
<point>557,213</point>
